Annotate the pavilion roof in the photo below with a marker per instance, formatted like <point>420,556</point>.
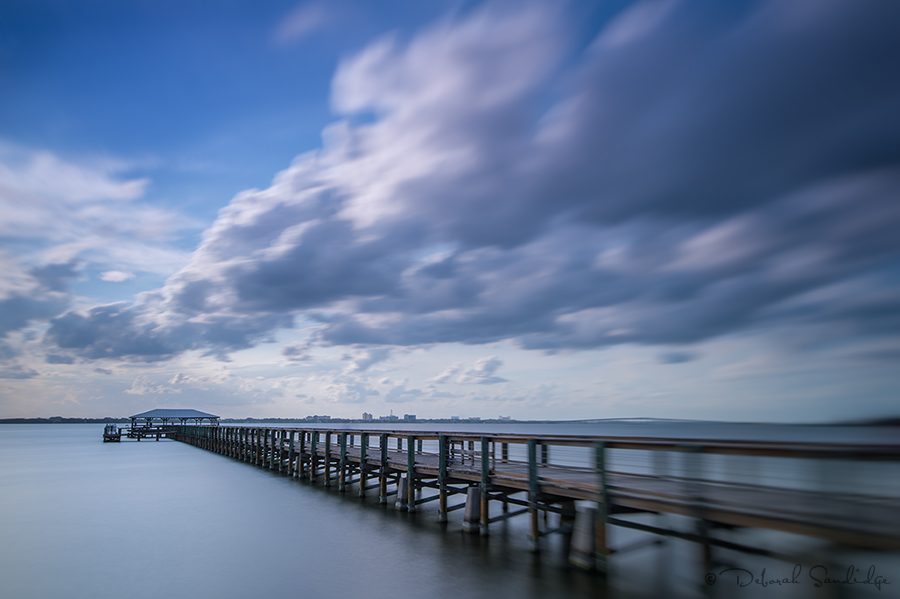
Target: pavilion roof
<point>173,414</point>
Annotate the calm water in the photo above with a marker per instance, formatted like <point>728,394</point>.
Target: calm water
<point>80,518</point>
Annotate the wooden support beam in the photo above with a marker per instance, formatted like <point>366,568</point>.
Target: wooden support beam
<point>411,473</point>
<point>272,434</point>
<point>363,446</point>
<point>603,509</point>
<point>442,477</point>
<point>328,459</point>
<point>533,490</point>
<point>342,479</point>
<point>291,453</point>
<point>313,456</point>
<point>281,450</point>
<point>382,473</point>
<point>485,483</point>
<point>301,470</point>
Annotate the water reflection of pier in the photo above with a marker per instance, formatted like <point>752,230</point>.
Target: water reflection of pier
<point>718,485</point>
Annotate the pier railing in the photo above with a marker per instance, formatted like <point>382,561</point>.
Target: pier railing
<point>849,494</point>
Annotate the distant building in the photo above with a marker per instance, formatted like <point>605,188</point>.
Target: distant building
<point>391,418</point>
<point>505,418</point>
<point>367,417</point>
<point>475,419</point>
<point>317,418</point>
<point>409,417</point>
<point>454,418</point>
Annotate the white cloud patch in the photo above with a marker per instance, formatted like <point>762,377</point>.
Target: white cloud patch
<point>116,276</point>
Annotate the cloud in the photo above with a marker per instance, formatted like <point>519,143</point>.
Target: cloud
<point>348,391</point>
<point>17,372</point>
<point>143,385</point>
<point>447,374</point>
<point>300,22</point>
<point>702,175</point>
<point>103,371</point>
<point>55,277</point>
<point>115,330</point>
<point>400,394</point>
<point>116,276</point>
<point>482,373</point>
<point>297,352</point>
<point>367,358</point>
<point>18,310</point>
<point>677,357</point>
<point>56,359</point>
<point>83,212</point>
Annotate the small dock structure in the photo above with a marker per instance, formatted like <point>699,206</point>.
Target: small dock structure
<point>112,433</point>
<point>581,486</point>
<point>162,422</point>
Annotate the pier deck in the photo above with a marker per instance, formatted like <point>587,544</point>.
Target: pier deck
<point>804,488</point>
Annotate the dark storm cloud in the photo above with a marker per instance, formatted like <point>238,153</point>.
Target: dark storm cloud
<point>711,168</point>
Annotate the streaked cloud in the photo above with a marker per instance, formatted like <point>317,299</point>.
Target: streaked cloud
<point>699,183</point>
<point>575,228</point>
<point>301,22</point>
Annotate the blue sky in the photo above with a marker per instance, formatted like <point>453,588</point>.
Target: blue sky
<point>675,209</point>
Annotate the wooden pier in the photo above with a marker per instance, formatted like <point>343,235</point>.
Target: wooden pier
<point>714,483</point>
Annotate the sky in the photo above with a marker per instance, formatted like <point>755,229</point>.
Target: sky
<point>542,210</point>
